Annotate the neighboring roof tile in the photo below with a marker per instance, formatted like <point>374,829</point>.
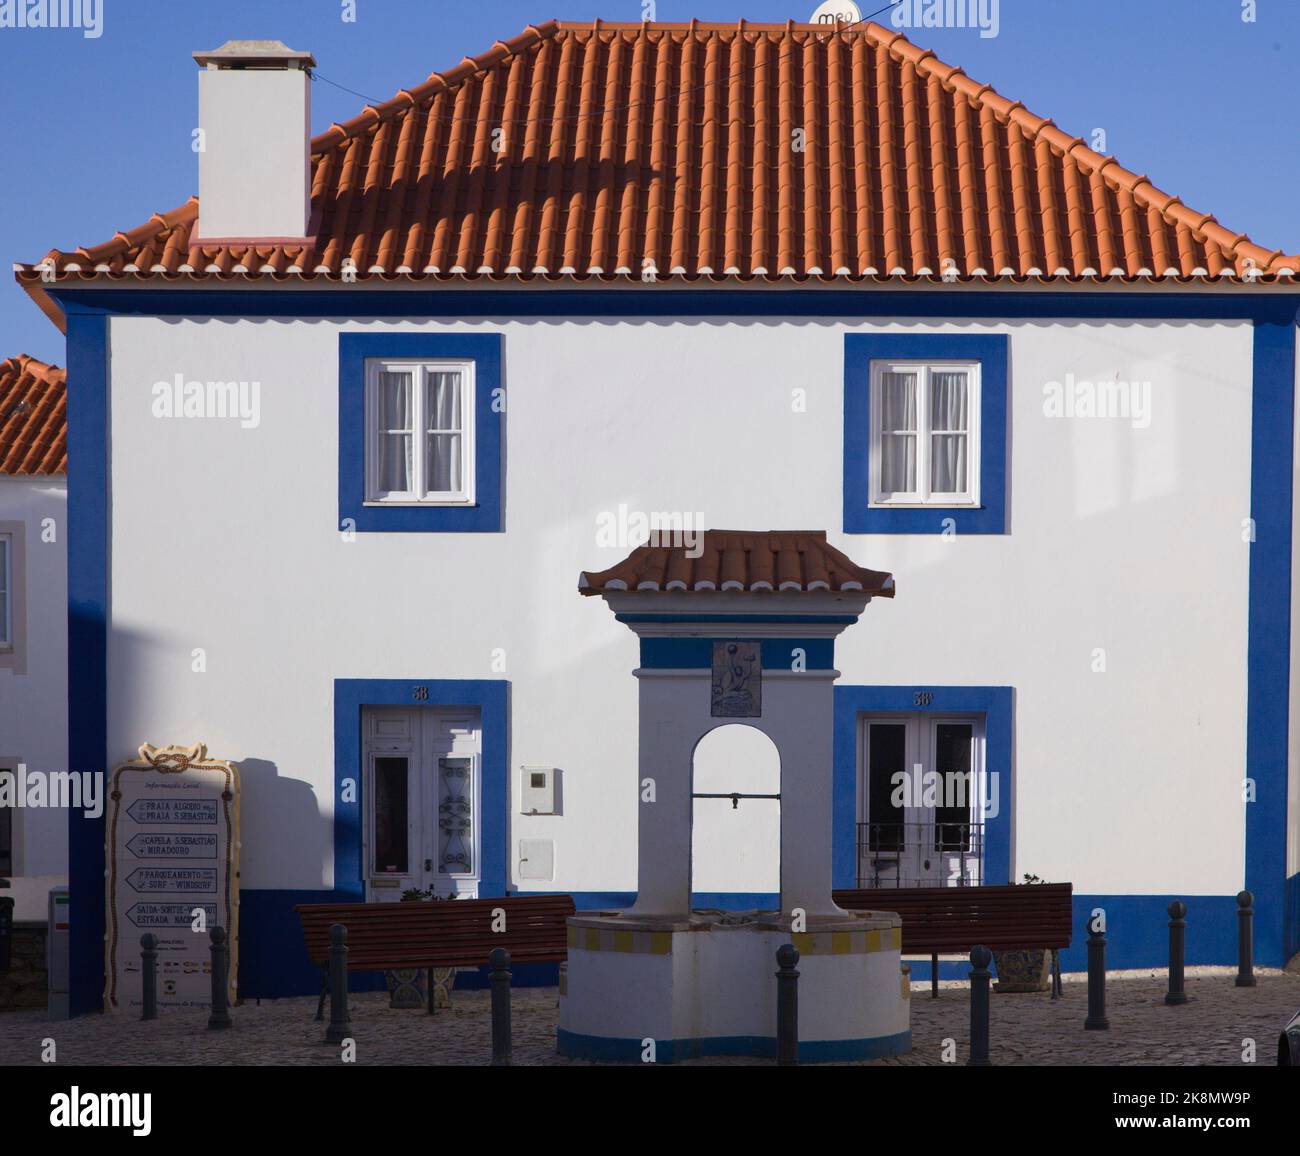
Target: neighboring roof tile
<point>784,561</point>
<point>33,418</point>
<point>671,145</point>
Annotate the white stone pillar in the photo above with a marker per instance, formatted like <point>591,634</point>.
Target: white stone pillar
<point>668,731</point>
<point>799,715</point>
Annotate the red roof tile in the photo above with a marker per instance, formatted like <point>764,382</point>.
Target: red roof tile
<point>786,561</point>
<point>672,146</point>
<point>33,418</point>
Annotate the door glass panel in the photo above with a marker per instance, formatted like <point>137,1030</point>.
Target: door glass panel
<point>886,757</point>
<point>952,761</point>
<point>455,816</point>
<point>391,825</point>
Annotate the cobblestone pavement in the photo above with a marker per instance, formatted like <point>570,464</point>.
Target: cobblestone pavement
<point>1024,1029</point>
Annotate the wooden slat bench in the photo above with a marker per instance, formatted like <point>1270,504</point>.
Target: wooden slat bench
<point>939,920</point>
<point>447,933</point>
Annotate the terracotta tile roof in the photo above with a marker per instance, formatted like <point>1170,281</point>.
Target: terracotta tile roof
<point>33,418</point>
<point>672,145</point>
<point>777,560</point>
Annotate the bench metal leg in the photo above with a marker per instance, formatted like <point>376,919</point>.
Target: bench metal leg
<point>934,976</point>
<point>428,981</point>
<point>1056,973</point>
<point>324,991</point>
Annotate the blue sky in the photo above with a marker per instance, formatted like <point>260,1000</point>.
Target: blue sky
<point>96,131</point>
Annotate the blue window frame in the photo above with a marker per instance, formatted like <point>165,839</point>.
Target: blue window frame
<point>990,352</point>
<point>484,514</point>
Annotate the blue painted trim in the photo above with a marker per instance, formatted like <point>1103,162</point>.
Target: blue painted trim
<point>1269,655</point>
<point>611,1049</point>
<point>89,485</point>
<point>860,350</point>
<point>1292,902</point>
<point>697,653</point>
<point>491,698</point>
<point>670,301</point>
<point>489,415</point>
<point>995,703</point>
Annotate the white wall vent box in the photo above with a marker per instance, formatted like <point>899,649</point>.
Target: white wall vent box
<point>537,859</point>
<point>537,790</point>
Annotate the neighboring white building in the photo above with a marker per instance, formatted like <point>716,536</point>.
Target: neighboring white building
<point>331,493</point>
<point>33,623</point>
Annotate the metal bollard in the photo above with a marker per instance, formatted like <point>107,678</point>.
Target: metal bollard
<point>1096,1021</point>
<point>6,931</point>
<point>1177,948</point>
<point>149,975</point>
<point>1245,939</point>
<point>220,1017</point>
<point>787,1004</point>
<point>499,961</point>
<point>980,958</point>
<point>340,1027</point>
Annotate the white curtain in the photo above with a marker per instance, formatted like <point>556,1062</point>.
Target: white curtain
<point>395,465</point>
<point>897,433</point>
<point>949,425</point>
<point>443,448</point>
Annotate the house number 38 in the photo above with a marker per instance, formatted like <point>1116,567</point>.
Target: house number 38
<point>921,698</point>
<point>420,693</point>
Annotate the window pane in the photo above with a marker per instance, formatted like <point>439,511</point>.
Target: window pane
<point>898,463</point>
<point>395,463</point>
<point>390,815</point>
<point>442,401</point>
<point>4,590</point>
<point>949,400</point>
<point>886,756</point>
<point>394,401</point>
<point>898,401</point>
<point>442,467</point>
<point>952,761</point>
<point>948,463</point>
<point>455,816</point>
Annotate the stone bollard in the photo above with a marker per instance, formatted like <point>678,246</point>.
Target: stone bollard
<point>1096,1021</point>
<point>1245,939</point>
<point>149,975</point>
<point>499,961</point>
<point>980,958</point>
<point>340,1027</point>
<point>220,1017</point>
<point>1177,949</point>
<point>787,1004</point>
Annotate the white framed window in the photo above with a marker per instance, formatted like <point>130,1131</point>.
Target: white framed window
<point>6,591</point>
<point>925,433</point>
<point>419,432</point>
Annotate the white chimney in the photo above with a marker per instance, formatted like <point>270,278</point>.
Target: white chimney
<point>255,163</point>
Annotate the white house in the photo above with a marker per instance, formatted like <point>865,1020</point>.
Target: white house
<point>345,431</point>
<point>33,625</point>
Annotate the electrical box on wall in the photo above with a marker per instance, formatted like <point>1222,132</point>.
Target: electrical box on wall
<point>537,790</point>
<point>537,859</point>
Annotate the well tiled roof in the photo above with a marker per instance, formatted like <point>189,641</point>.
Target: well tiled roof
<point>762,560</point>
<point>579,151</point>
<point>33,418</point>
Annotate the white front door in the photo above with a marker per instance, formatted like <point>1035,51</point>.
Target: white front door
<point>422,799</point>
<point>919,816</point>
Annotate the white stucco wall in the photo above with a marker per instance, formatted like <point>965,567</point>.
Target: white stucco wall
<point>33,700</point>
<point>1122,539</point>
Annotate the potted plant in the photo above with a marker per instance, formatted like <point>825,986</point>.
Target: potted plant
<point>1027,969</point>
<point>409,987</point>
